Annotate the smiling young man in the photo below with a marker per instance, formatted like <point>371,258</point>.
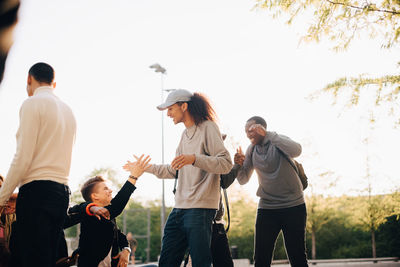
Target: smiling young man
<point>200,158</point>
<point>281,205</point>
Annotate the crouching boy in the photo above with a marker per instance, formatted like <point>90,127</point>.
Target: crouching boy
<point>100,239</point>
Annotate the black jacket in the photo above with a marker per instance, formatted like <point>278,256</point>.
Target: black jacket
<point>99,236</point>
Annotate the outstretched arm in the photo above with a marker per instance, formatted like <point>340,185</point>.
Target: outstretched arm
<point>135,169</point>
<point>161,171</point>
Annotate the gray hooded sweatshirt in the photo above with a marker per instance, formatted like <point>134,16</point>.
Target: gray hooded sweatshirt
<point>279,186</point>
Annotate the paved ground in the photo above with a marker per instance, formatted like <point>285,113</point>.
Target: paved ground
<point>361,264</point>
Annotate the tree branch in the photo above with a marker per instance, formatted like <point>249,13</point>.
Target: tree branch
<point>368,7</point>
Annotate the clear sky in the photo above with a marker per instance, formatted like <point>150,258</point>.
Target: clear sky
<point>243,60</point>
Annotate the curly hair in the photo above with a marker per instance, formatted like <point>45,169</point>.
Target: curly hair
<point>200,108</point>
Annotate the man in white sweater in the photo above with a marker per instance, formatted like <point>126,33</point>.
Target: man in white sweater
<point>40,169</point>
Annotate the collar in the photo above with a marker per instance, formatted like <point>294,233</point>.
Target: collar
<point>191,131</point>
<point>41,89</point>
<point>266,140</point>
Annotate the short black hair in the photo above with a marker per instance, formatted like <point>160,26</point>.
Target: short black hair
<point>258,120</point>
<point>88,186</point>
<point>42,72</point>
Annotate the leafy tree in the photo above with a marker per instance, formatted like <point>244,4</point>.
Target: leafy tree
<point>388,238</point>
<point>243,213</point>
<point>341,237</point>
<point>392,202</point>
<point>372,211</point>
<point>136,223</point>
<point>319,213</point>
<point>341,21</point>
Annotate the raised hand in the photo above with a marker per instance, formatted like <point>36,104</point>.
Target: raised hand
<point>259,129</point>
<point>138,167</point>
<point>182,160</point>
<point>239,156</point>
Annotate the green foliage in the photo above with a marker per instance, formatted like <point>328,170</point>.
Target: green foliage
<point>280,252</point>
<point>340,223</point>
<point>387,92</point>
<point>319,212</point>
<point>71,231</point>
<point>339,239</point>
<point>342,231</point>
<point>136,223</point>
<point>243,214</point>
<point>341,21</point>
<point>388,238</point>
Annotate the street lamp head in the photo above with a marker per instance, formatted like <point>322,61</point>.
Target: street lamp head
<point>158,68</point>
<point>155,66</point>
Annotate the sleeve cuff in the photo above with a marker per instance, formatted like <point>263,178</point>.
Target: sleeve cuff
<point>88,209</point>
<point>128,249</point>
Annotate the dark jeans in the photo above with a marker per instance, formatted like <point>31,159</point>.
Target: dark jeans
<point>41,211</point>
<point>221,255</point>
<point>292,222</point>
<point>187,228</point>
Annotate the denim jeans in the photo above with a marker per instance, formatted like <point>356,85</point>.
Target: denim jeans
<point>187,228</point>
<point>41,210</point>
<point>292,222</point>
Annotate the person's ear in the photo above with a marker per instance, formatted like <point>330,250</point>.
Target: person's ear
<point>184,107</point>
<point>53,84</point>
<point>93,197</point>
<point>29,81</point>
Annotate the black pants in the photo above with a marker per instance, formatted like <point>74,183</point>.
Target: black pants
<point>221,255</point>
<point>41,211</point>
<point>292,222</point>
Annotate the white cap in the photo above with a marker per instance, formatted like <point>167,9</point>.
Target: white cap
<point>180,95</point>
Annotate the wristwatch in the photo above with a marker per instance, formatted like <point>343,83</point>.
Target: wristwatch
<point>128,249</point>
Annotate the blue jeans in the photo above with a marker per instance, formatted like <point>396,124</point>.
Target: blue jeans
<point>187,228</point>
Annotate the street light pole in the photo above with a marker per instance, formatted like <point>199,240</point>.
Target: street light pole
<point>162,71</point>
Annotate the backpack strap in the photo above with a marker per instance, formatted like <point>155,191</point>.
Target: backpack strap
<point>282,153</point>
<point>227,210</point>
<point>288,159</point>
<point>176,180</point>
